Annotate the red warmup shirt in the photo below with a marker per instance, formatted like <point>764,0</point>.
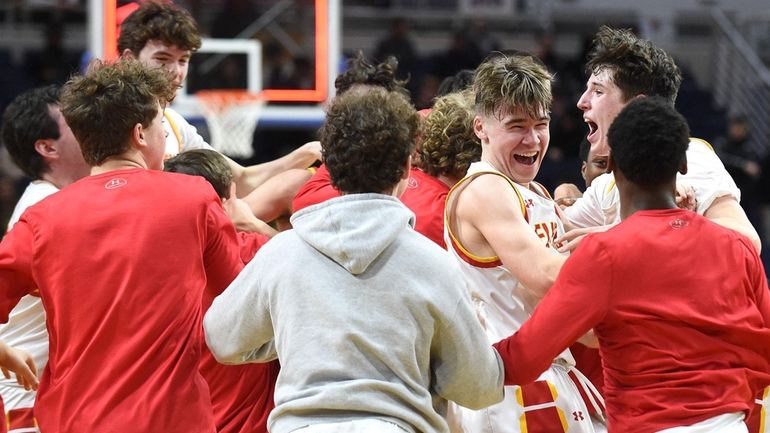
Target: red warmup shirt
<point>682,312</point>
<point>425,196</point>
<point>122,260</point>
<point>241,395</point>
<point>316,190</point>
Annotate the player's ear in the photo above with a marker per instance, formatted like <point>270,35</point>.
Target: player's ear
<point>408,168</point>
<point>478,128</point>
<point>128,54</point>
<point>683,165</point>
<point>46,148</point>
<point>137,135</point>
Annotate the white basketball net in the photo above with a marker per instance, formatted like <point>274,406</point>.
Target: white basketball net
<point>231,117</point>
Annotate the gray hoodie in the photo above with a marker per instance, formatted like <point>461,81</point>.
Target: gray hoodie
<point>368,318</point>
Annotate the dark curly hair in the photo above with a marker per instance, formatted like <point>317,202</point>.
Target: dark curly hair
<point>363,72</point>
<point>207,163</point>
<point>458,82</point>
<point>637,66</point>
<point>449,144</point>
<point>103,106</point>
<point>648,141</point>
<point>159,20</point>
<point>28,118</point>
<point>367,138</point>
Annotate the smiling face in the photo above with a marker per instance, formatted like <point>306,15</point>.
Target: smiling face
<point>601,102</point>
<point>514,144</point>
<point>157,53</point>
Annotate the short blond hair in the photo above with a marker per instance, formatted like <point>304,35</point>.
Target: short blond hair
<point>506,83</point>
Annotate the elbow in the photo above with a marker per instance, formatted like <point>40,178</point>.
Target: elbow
<point>756,241</point>
<point>217,342</point>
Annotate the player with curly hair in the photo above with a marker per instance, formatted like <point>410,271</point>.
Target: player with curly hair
<point>367,339</point>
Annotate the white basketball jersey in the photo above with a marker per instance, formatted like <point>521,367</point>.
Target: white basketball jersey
<point>502,305</point>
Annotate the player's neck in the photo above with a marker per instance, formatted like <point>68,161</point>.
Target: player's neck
<point>634,198</point>
<point>117,163</point>
<point>56,179</point>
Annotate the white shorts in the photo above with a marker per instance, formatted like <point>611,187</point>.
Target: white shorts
<point>355,426</point>
<point>551,404</point>
<point>725,423</point>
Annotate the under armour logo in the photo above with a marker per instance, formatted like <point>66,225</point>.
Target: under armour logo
<point>678,223</point>
<point>528,203</point>
<point>578,415</point>
<point>115,183</point>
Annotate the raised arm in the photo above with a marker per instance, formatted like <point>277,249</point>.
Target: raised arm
<point>273,198</point>
<point>248,178</point>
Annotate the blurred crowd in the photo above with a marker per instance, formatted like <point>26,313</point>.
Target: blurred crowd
<point>286,66</point>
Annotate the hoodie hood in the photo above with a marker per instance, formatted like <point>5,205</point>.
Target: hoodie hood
<point>353,230</point>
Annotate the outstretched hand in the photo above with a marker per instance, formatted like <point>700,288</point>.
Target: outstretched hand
<point>21,364</point>
<point>685,197</point>
<point>570,240</point>
<point>243,219</point>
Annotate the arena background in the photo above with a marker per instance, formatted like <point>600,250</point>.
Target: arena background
<point>722,47</point>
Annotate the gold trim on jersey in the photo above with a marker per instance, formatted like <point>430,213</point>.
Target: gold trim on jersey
<point>455,241</point>
<point>706,143</point>
<point>175,130</point>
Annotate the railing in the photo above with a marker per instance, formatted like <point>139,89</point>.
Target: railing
<point>742,81</point>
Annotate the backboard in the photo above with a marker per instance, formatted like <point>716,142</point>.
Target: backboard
<point>270,38</point>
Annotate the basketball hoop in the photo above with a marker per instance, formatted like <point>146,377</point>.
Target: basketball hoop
<point>231,116</point>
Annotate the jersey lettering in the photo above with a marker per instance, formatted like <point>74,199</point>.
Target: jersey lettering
<point>547,231</point>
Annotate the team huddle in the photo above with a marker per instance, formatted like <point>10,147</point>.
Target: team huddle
<point>419,280</point>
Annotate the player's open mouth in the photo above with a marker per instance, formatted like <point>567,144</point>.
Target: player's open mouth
<point>527,158</point>
<point>592,128</point>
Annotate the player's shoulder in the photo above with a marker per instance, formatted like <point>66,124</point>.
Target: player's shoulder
<point>174,116</point>
<point>182,185</point>
<point>700,149</point>
<point>602,185</point>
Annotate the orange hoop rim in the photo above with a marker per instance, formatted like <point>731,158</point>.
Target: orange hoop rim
<point>220,99</point>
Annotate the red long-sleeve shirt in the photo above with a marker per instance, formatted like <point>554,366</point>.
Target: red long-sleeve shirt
<point>682,312</point>
<point>121,260</point>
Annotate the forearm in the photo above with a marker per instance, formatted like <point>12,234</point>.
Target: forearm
<point>248,178</point>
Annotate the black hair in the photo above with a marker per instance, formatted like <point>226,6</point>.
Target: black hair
<point>648,141</point>
<point>456,83</point>
<point>27,119</point>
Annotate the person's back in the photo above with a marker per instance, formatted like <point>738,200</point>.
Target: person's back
<point>121,260</point>
<point>366,334</point>
<point>122,319</point>
<point>683,321</point>
<point>371,312</point>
